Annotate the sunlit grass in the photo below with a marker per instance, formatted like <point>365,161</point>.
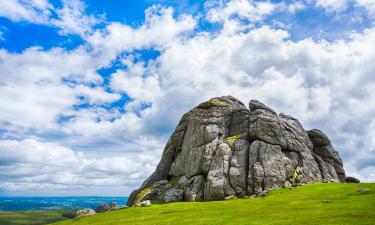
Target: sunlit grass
<point>309,204</point>
<point>29,217</point>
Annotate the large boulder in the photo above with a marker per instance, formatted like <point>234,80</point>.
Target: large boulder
<point>328,159</point>
<point>220,149</point>
<point>352,180</point>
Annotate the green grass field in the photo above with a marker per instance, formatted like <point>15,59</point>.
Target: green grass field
<point>309,204</point>
<point>29,217</point>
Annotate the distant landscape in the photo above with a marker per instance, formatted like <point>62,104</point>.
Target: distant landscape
<point>8,203</point>
<point>43,210</point>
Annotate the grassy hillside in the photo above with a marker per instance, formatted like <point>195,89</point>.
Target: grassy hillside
<point>29,217</point>
<point>309,204</point>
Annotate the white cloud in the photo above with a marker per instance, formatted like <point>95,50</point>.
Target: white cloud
<point>159,29</point>
<point>95,95</point>
<point>36,11</point>
<point>231,13</point>
<point>144,89</point>
<point>70,18</point>
<point>33,165</point>
<point>36,87</point>
<point>333,5</point>
<point>254,11</point>
<point>296,6</point>
<point>368,4</point>
<point>327,85</point>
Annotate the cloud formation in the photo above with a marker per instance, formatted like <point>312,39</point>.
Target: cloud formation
<point>70,18</point>
<point>66,126</point>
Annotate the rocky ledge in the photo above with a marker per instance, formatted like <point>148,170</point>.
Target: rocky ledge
<point>222,149</point>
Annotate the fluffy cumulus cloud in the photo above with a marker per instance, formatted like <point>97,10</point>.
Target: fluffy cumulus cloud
<point>31,165</point>
<point>332,5</point>
<point>70,18</point>
<point>338,6</point>
<point>67,127</point>
<point>369,5</point>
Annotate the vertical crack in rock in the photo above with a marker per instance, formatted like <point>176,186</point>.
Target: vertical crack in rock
<point>221,148</point>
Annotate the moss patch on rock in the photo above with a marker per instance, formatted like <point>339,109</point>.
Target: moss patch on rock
<point>232,139</point>
<point>215,102</point>
<point>142,194</point>
<point>174,181</point>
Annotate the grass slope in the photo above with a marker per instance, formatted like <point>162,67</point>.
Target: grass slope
<point>309,204</point>
<point>29,217</point>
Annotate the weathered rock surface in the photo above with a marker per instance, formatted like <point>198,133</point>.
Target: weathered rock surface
<point>79,213</point>
<point>107,207</point>
<point>326,156</point>
<point>220,149</point>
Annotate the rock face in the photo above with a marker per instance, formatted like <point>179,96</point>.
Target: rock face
<point>220,148</point>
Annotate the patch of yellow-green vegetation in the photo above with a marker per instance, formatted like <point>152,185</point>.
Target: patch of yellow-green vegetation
<point>215,102</point>
<point>309,205</point>
<point>30,217</point>
<point>232,139</point>
<point>174,181</point>
<point>142,194</point>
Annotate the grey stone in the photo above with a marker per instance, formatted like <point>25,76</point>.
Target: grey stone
<point>240,123</point>
<point>79,213</point>
<point>217,184</point>
<point>268,127</point>
<point>193,189</point>
<point>255,104</point>
<point>107,207</point>
<point>262,194</point>
<point>154,194</point>
<point>173,195</point>
<point>220,149</point>
<point>269,168</point>
<point>363,190</point>
<point>318,138</point>
<point>231,197</point>
<point>352,180</point>
<point>144,203</point>
<point>160,182</point>
<point>239,167</point>
<point>297,139</point>
<point>328,159</point>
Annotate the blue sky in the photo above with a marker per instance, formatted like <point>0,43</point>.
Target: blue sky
<point>91,90</point>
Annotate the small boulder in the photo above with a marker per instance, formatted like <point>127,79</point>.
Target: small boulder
<point>288,185</point>
<point>144,203</point>
<point>328,181</point>
<point>363,190</point>
<point>107,207</point>
<point>231,197</point>
<point>351,180</point>
<point>79,213</point>
<point>262,194</point>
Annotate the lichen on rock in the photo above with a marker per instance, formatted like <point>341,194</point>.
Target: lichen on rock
<point>221,149</point>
